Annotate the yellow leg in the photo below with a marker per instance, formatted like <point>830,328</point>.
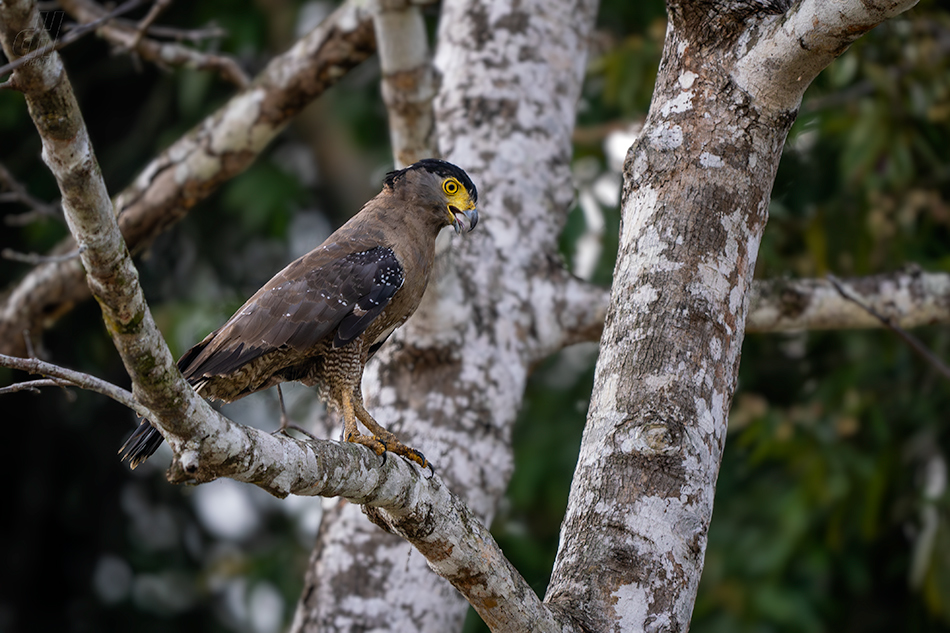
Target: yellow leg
<point>382,440</point>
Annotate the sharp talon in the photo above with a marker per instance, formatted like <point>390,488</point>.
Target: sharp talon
<point>420,459</point>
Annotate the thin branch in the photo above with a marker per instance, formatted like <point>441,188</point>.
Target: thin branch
<point>161,392</point>
<point>163,54</point>
<point>17,192</point>
<point>146,22</point>
<point>910,340</point>
<point>70,37</point>
<point>60,376</point>
<point>911,298</point>
<point>34,385</point>
<point>34,258</point>
<point>195,36</point>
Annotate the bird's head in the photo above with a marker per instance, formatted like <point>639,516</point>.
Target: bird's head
<point>439,185</point>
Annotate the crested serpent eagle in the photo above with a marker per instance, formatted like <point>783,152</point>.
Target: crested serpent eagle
<point>323,316</point>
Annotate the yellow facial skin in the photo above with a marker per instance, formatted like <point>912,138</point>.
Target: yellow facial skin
<point>459,203</point>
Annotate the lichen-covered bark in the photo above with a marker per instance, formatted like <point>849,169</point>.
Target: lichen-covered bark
<point>216,150</point>
<point>694,206</point>
<point>451,382</point>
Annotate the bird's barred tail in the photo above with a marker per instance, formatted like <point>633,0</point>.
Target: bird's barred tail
<point>144,441</point>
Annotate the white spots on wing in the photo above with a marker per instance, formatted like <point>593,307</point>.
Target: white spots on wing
<point>287,314</point>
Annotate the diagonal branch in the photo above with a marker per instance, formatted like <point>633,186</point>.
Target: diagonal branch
<point>69,377</point>
<point>788,51</point>
<point>911,341</point>
<point>193,167</point>
<point>133,38</point>
<point>112,278</point>
<point>17,192</point>
<point>64,41</point>
<point>398,498</point>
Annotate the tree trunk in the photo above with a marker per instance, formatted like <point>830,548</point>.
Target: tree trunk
<point>694,207</point>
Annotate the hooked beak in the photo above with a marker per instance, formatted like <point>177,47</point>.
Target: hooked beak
<point>470,214</point>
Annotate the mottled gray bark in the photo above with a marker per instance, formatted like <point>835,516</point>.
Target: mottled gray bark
<point>694,206</point>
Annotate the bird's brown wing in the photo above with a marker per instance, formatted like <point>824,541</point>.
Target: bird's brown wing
<point>304,303</point>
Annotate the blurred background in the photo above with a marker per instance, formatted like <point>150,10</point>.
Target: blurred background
<point>832,507</point>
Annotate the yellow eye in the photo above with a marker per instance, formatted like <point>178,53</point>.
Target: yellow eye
<point>450,186</point>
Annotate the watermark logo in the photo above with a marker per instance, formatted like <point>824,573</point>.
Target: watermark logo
<point>29,40</point>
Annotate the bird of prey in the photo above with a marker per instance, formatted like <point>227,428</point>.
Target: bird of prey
<point>323,316</point>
